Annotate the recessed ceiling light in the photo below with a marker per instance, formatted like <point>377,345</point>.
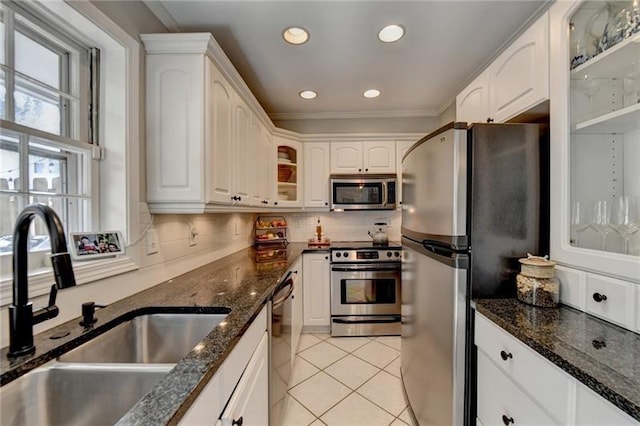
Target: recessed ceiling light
<point>295,35</point>
<point>391,33</point>
<point>371,93</point>
<point>308,94</point>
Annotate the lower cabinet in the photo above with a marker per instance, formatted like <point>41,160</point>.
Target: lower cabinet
<point>240,387</point>
<point>516,385</point>
<point>316,289</point>
<point>249,403</point>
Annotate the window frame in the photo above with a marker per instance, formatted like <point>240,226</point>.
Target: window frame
<point>120,135</point>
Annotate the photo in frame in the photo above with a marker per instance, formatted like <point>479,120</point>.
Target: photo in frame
<point>93,245</point>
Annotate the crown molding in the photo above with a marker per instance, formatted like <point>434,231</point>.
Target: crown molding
<point>353,114</point>
<point>163,15</point>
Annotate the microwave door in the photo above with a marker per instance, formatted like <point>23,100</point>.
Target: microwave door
<point>357,196</point>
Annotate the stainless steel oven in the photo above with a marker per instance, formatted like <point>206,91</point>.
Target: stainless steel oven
<point>365,292</point>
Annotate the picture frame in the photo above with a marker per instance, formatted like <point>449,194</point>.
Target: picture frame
<point>95,245</point>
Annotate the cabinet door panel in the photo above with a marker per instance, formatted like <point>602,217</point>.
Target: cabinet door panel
<point>519,77</point>
<point>174,98</point>
<point>316,289</point>
<point>243,145</point>
<point>346,157</point>
<point>316,175</point>
<point>472,104</point>
<point>379,157</point>
<point>250,400</point>
<point>592,409</point>
<point>220,132</point>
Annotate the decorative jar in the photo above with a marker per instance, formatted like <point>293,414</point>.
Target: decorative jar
<point>537,283</point>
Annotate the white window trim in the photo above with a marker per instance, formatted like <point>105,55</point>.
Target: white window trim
<point>120,135</point>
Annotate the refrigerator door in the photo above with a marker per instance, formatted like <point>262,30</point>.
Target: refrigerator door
<point>434,181</point>
<point>508,203</point>
<point>434,311</point>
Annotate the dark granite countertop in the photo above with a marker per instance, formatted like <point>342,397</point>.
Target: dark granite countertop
<point>234,284</point>
<point>604,357</point>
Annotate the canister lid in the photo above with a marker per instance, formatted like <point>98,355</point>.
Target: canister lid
<point>537,261</point>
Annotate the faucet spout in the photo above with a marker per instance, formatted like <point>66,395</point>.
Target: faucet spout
<point>21,316</point>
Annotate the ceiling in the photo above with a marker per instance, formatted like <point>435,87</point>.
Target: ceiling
<point>446,43</point>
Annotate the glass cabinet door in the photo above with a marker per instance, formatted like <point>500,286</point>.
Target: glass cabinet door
<point>604,128</point>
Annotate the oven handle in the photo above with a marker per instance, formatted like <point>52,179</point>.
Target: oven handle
<point>358,268</point>
<point>383,320</point>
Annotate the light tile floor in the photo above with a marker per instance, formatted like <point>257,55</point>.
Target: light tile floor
<point>346,381</point>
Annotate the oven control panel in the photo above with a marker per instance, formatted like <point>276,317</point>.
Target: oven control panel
<point>366,255</point>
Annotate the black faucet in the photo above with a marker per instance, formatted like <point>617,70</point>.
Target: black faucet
<point>21,315</point>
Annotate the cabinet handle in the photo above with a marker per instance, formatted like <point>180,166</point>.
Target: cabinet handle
<point>275,203</point>
<point>239,198</point>
<point>326,258</point>
<point>506,420</point>
<point>366,170</point>
<point>359,170</point>
<point>295,272</point>
<point>599,344</point>
<point>599,297</point>
<point>505,355</point>
<point>239,421</point>
<point>489,120</point>
<point>326,204</point>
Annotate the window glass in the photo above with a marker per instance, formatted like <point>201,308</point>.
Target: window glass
<point>1,37</point>
<point>37,61</point>
<point>36,108</point>
<point>9,163</point>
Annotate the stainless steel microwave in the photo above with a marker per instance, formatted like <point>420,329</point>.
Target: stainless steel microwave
<point>363,192</point>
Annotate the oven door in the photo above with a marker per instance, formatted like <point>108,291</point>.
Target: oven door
<point>365,289</point>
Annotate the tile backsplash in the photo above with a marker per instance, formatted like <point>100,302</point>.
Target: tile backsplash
<point>341,226</point>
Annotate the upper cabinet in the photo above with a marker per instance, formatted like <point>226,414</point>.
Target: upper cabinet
<point>595,134</point>
<point>514,82</point>
<point>200,129</point>
<point>363,157</point>
<point>289,182</point>
<point>316,174</point>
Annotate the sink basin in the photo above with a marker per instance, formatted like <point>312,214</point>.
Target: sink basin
<point>153,338</point>
<point>76,394</point>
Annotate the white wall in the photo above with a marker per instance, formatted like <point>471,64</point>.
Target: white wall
<point>448,115</point>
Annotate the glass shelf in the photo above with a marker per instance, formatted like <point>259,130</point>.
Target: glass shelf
<point>621,121</point>
<point>613,62</point>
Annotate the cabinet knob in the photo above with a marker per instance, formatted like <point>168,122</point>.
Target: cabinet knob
<point>295,272</point>
<point>599,344</point>
<point>366,170</point>
<point>505,355</point>
<point>489,120</point>
<point>275,203</point>
<point>239,198</point>
<point>599,297</point>
<point>359,170</point>
<point>326,204</point>
<point>237,422</point>
<point>506,420</point>
<point>326,258</point>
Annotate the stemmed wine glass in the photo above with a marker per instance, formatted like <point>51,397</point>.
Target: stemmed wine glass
<point>579,221</point>
<point>601,220</point>
<point>626,218</point>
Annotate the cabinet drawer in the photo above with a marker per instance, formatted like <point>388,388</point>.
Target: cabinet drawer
<point>610,299</point>
<point>592,409</point>
<point>500,401</point>
<point>531,371</point>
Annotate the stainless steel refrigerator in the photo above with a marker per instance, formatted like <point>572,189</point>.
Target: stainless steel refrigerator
<point>475,200</point>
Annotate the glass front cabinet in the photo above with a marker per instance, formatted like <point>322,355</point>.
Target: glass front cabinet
<point>289,172</point>
<point>595,136</point>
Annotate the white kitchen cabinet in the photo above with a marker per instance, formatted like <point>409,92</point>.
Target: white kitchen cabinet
<point>401,149</point>
<point>363,157</point>
<point>264,164</point>
<point>516,81</point>
<point>472,104</point>
<point>249,403</point>
<point>595,134</point>
<point>519,77</point>
<point>316,174</point>
<point>316,290</point>
<point>249,352</point>
<point>516,382</point>
<point>200,131</point>
<point>289,172</point>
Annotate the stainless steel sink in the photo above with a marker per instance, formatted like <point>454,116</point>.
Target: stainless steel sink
<point>153,338</point>
<point>76,394</point>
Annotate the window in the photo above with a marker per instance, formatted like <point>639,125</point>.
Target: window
<point>68,154</point>
<point>45,145</point>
